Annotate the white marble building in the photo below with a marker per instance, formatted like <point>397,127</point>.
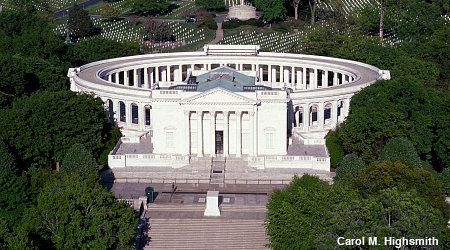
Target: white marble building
<point>228,101</point>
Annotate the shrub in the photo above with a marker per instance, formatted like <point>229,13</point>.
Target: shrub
<point>281,27</point>
<point>444,179</point>
<point>231,24</point>
<point>334,148</point>
<point>349,168</point>
<point>387,174</point>
<point>79,161</point>
<point>209,21</point>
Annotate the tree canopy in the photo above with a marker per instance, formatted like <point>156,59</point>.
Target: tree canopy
<point>79,161</point>
<point>156,31</point>
<point>272,10</point>
<point>79,21</point>
<point>148,7</point>
<point>349,168</point>
<point>211,4</point>
<point>43,126</point>
<point>398,108</point>
<point>75,213</point>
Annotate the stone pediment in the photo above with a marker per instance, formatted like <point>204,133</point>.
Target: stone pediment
<point>218,96</point>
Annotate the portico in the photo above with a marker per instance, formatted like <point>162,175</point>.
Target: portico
<point>220,132</point>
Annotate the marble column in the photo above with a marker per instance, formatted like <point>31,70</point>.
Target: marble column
<point>269,74</point>
<point>225,133</point>
<point>304,78</point>
<point>117,78</point>
<point>335,79</point>
<point>146,81</point>
<point>116,110</point>
<point>334,116</point>
<point>152,75</point>
<point>292,82</point>
<point>320,115</point>
<point>306,121</point>
<point>251,133</point>
<point>238,134</point>
<point>180,73</point>
<point>108,78</point>
<point>281,74</point>
<point>128,113</point>
<point>126,78</point>
<point>213,132</point>
<point>200,133</point>
<point>255,132</point>
<point>136,77</point>
<point>157,80</point>
<point>299,79</point>
<point>141,116</point>
<point>169,76</point>
<point>187,135</point>
<point>325,80</point>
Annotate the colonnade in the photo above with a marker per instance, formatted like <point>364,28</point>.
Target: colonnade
<point>320,115</point>
<point>129,114</point>
<point>277,76</point>
<point>243,137</point>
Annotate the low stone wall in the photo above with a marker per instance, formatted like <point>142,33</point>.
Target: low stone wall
<point>289,161</point>
<point>143,160</point>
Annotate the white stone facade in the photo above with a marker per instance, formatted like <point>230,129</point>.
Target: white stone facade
<point>309,95</point>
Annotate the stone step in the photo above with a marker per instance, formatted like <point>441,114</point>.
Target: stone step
<point>208,233</point>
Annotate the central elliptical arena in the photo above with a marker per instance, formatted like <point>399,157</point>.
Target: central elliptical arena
<point>249,114</point>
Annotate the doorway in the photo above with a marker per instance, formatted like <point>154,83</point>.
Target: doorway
<point>219,142</point>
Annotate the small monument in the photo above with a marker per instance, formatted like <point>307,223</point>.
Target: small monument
<point>212,204</point>
<point>240,10</point>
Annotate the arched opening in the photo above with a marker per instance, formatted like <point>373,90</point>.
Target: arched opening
<point>298,117</point>
<point>122,113</point>
<point>314,119</point>
<point>147,115</point>
<point>110,109</point>
<point>327,113</point>
<point>134,113</point>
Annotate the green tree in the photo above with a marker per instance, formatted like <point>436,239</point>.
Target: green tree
<point>79,21</point>
<point>349,168</point>
<point>295,213</point>
<point>272,10</point>
<point>148,7</point>
<point>156,31</point>
<point>97,48</point>
<point>211,4</point>
<point>7,161</point>
<point>109,12</point>
<point>390,214</point>
<point>29,35</point>
<point>444,179</point>
<point>43,126</point>
<point>334,148</point>
<point>14,237</point>
<point>75,213</point>
<point>79,161</point>
<point>384,175</point>
<point>13,197</point>
<point>397,108</point>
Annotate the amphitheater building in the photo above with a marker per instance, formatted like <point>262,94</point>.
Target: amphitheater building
<point>269,110</point>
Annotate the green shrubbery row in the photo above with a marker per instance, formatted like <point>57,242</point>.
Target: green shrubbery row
<point>234,24</point>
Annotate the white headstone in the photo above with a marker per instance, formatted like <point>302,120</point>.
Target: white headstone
<point>212,204</point>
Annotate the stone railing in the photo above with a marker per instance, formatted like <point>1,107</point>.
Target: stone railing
<point>144,160</point>
<point>290,161</point>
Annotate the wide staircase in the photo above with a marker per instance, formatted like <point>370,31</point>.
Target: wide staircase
<point>206,232</point>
